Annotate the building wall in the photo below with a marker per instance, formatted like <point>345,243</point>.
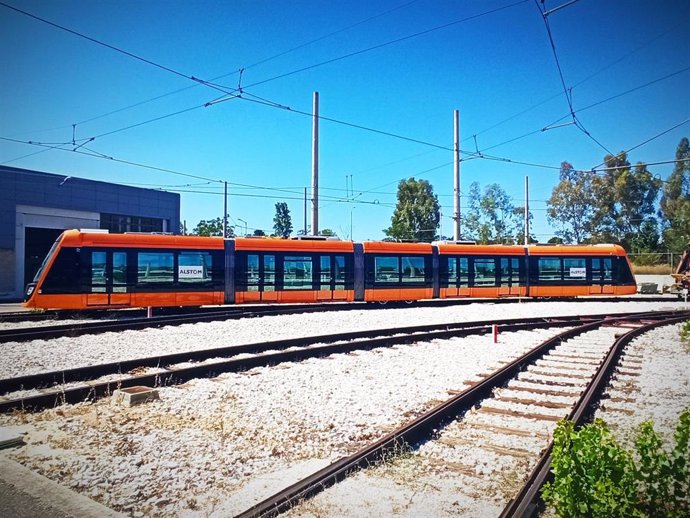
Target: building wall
<point>7,268</point>
<point>44,200</point>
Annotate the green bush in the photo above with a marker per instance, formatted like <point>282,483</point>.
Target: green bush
<point>685,332</point>
<point>595,477</point>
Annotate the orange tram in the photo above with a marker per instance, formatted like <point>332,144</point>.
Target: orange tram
<point>96,270</point>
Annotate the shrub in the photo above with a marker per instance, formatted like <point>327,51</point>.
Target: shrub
<point>595,477</point>
<point>685,332</point>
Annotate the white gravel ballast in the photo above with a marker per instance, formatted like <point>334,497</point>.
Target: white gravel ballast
<point>215,447</point>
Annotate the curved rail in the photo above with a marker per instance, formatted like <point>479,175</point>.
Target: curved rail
<point>527,501</point>
<point>295,349</point>
<point>425,426</point>
<point>174,311</point>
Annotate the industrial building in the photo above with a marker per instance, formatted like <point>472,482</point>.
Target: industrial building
<point>35,207</point>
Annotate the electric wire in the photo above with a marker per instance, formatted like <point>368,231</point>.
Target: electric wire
<point>664,132</point>
<point>261,62</point>
<point>568,92</point>
<point>111,47</point>
<point>384,44</point>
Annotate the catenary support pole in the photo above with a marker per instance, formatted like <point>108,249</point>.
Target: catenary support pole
<point>456,177</point>
<point>225,210</point>
<point>305,211</point>
<point>315,168</point>
<point>526,210</point>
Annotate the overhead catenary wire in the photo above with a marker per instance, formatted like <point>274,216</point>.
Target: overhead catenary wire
<point>664,132</point>
<point>231,92</point>
<point>384,44</point>
<point>111,47</point>
<point>246,67</point>
<point>566,91</point>
<point>232,96</point>
<point>439,147</point>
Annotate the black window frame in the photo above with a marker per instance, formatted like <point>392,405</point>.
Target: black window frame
<point>216,281</point>
<point>370,272</point>
<point>242,283</point>
<point>596,265</point>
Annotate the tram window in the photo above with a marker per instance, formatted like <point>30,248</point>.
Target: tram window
<point>514,270</point>
<point>452,271</point>
<point>386,269</point>
<point>155,268</point>
<point>601,270</point>
<point>510,271</point>
<point>484,272</point>
<point>269,273</point>
<point>623,274</point>
<point>574,269</point>
<point>412,270</point>
<point>340,274</point>
<point>549,269</point>
<point>194,267</point>
<point>326,272</point>
<point>119,272</point>
<point>463,272</point>
<point>298,273</point>
<point>252,272</point>
<point>98,264</point>
<point>596,270</point>
<point>607,264</point>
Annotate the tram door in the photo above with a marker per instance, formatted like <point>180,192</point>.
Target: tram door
<point>108,279</point>
<point>602,276</point>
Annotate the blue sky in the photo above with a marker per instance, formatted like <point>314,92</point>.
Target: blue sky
<point>498,69</point>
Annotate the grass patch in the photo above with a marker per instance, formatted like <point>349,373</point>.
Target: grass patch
<point>652,269</point>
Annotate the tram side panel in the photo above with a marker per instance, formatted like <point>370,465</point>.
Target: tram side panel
<point>486,271</point>
<point>398,271</point>
<point>293,271</point>
<point>580,271</point>
<point>108,271</point>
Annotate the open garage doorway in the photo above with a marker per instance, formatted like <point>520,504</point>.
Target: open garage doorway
<point>36,246</point>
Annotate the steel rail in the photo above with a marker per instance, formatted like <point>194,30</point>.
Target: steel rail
<point>138,323</point>
<point>347,342</point>
<point>528,500</point>
<point>412,333</point>
<point>134,313</point>
<point>421,429</point>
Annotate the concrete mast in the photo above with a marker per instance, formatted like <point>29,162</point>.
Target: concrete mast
<point>456,177</point>
<point>526,210</point>
<point>315,168</point>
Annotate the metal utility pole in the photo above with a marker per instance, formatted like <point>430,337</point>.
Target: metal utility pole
<point>456,177</point>
<point>225,210</point>
<point>305,211</point>
<point>526,210</point>
<point>315,168</point>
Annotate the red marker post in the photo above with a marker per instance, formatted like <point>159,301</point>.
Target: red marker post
<point>495,331</point>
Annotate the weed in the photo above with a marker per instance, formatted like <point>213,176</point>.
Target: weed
<point>594,476</point>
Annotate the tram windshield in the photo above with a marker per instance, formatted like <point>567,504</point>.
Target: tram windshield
<point>50,254</point>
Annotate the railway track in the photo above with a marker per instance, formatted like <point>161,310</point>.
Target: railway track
<point>49,389</point>
<point>564,376</point>
<point>176,315</point>
<point>21,334</point>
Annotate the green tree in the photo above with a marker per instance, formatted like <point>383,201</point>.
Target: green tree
<point>212,227</point>
<point>491,217</point>
<point>328,233</point>
<point>282,223</point>
<point>258,232</point>
<point>571,207</point>
<point>417,212</point>
<point>625,197</point>
<point>675,201</point>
